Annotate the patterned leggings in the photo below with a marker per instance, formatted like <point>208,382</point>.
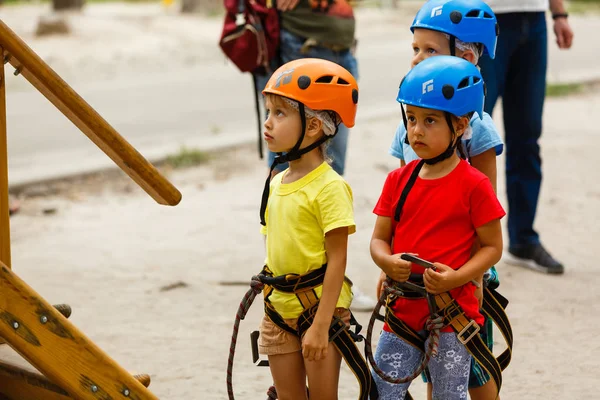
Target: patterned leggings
<point>449,369</point>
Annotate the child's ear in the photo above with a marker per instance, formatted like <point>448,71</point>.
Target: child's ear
<point>313,127</point>
<point>461,125</point>
<point>469,56</point>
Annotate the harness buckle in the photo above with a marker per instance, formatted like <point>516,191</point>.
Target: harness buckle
<point>465,329</point>
<point>337,327</point>
<point>255,355</point>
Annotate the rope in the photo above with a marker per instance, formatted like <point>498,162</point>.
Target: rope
<point>256,286</point>
<point>432,325</point>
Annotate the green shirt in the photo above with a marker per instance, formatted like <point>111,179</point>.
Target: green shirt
<point>333,27</point>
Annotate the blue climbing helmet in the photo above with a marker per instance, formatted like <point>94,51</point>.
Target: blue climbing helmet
<point>444,83</point>
<point>470,21</point>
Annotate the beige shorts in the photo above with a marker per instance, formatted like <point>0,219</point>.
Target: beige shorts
<point>273,340</point>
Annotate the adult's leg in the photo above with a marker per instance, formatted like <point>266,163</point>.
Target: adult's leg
<point>494,70</point>
<point>523,103</point>
<point>339,144</point>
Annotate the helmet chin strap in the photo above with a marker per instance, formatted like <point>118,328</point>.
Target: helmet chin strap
<point>294,154</point>
<point>451,146</point>
<point>452,45</point>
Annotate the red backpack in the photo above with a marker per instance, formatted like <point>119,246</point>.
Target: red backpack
<point>250,36</point>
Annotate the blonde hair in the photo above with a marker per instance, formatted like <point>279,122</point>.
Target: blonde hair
<point>476,48</point>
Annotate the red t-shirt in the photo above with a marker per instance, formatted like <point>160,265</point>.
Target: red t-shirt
<point>438,223</point>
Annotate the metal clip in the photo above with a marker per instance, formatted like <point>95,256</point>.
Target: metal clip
<point>464,330</point>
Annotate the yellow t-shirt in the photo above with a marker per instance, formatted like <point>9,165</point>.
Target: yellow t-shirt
<point>302,213</point>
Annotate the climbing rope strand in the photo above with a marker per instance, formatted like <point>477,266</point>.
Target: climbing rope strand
<point>256,286</point>
<point>432,325</point>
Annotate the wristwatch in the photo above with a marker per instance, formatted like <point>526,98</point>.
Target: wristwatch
<point>560,15</point>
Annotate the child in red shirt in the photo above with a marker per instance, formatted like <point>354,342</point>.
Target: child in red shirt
<point>436,208</point>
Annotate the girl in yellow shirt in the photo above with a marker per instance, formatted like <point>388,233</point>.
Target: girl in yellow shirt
<point>307,215</point>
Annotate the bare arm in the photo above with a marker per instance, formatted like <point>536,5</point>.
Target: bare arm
<point>336,246</point>
<point>557,7</point>
<point>381,251</point>
<point>562,29</point>
<point>316,339</point>
<point>486,164</point>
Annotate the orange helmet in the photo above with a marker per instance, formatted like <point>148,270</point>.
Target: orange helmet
<point>319,85</point>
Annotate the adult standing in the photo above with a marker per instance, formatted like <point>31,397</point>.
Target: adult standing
<point>518,75</point>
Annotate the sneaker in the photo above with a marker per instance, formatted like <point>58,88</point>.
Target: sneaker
<point>535,257</point>
<point>362,302</point>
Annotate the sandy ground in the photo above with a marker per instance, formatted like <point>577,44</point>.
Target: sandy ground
<point>105,248</point>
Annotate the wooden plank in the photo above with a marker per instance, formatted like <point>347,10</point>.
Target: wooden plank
<point>74,107</point>
<point>4,213</point>
<point>18,383</point>
<point>56,348</point>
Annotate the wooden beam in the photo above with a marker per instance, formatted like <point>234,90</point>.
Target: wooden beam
<point>74,107</point>
<point>4,212</point>
<point>56,348</point>
<point>18,383</point>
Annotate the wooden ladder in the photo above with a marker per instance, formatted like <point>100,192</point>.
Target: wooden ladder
<point>72,366</point>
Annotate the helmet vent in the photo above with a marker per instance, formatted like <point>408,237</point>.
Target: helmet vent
<point>487,15</point>
<point>325,79</point>
<point>463,84</point>
<point>341,81</point>
<point>472,14</point>
<point>476,79</point>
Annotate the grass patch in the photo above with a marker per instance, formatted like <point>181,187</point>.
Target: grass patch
<point>187,157</point>
<point>563,89</point>
<point>584,7</point>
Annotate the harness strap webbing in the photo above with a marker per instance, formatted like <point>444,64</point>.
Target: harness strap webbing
<point>467,333</point>
<point>494,305</point>
<point>466,329</point>
<point>342,338</point>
